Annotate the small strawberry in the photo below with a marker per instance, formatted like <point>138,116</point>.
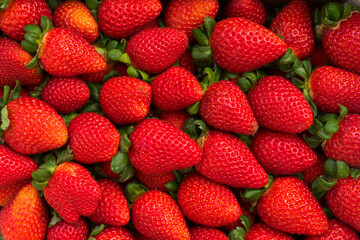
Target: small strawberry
<point>176,119</point>
<point>8,192</point>
<point>155,181</point>
<point>315,170</point>
<point>318,57</point>
<point>260,231</point>
<point>64,230</point>
<point>185,61</point>
<point>113,233</point>
<point>205,233</point>
<point>253,10</point>
<point>337,230</point>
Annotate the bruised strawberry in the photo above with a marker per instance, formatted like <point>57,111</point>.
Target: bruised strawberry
<point>205,233</point>
<point>114,233</point>
<point>337,230</point>
<point>64,230</point>
<point>176,119</point>
<point>155,181</point>
<point>253,10</point>
<point>260,231</point>
<point>8,192</point>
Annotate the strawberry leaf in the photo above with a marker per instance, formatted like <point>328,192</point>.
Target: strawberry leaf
<point>194,109</point>
<point>321,185</point>
<point>39,186</point>
<point>331,126</point>
<point>119,162</point>
<point>172,186</point>
<point>15,93</point>
<point>355,173</point>
<point>125,143</point>
<point>3,5</point>
<point>201,37</point>
<point>134,190</point>
<point>64,156</point>
<point>5,119</point>
<point>343,112</point>
<point>5,96</point>
<point>46,24</point>
<point>92,107</point>
<point>41,176</point>
<point>54,219</point>
<point>53,3</point>
<point>237,234</point>
<point>97,230</point>
<point>336,169</point>
<point>209,24</point>
<point>246,221</point>
<point>127,173</point>
<point>33,63</point>
<point>32,28</point>
<point>92,4</point>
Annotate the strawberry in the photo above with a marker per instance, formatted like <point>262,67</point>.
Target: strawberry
<point>282,153</point>
<point>66,95</point>
<point>225,107</point>
<point>72,192</point>
<point>154,50</point>
<point>206,202</point>
<point>260,231</point>
<point>93,138</point>
<point>343,145</point>
<point>157,216</point>
<point>315,170</point>
<point>64,230</point>
<point>185,61</point>
<point>20,13</point>
<point>35,127</point>
<point>294,24</point>
<point>155,181</point>
<point>239,222</point>
<point>175,89</point>
<point>114,233</point>
<point>23,92</point>
<point>318,57</point>
<point>289,206</point>
<point>176,119</point>
<point>125,100</point>
<point>8,192</point>
<point>113,207</point>
<point>278,105</point>
<point>330,86</point>
<point>253,10</point>
<point>25,217</point>
<point>105,168</point>
<point>158,147</point>
<point>76,16</point>
<point>186,15</point>
<point>227,160</point>
<point>205,233</point>
<point>337,230</point>
<point>13,59</point>
<point>344,201</point>
<point>239,45</point>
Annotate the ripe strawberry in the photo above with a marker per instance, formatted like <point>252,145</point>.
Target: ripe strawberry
<point>35,127</point>
<point>66,95</point>
<point>64,230</point>
<point>155,50</point>
<point>175,89</point>
<point>114,233</point>
<point>72,192</point>
<point>278,105</point>
<point>337,230</point>
<point>93,138</point>
<point>187,15</point>
<point>13,59</point>
<point>260,231</point>
<point>185,61</point>
<point>289,206</point>
<point>157,216</point>
<point>8,192</point>
<point>74,15</point>
<point>253,10</point>
<point>176,119</point>
<point>239,45</point>
<point>25,217</point>
<point>225,107</point>
<point>330,86</point>
<point>344,144</point>
<point>205,233</point>
<point>227,160</point>
<point>239,221</point>
<point>125,100</point>
<point>206,202</point>
<point>105,168</point>
<point>113,207</point>
<point>21,13</point>
<point>315,170</point>
<point>318,57</point>
<point>155,181</point>
<point>294,23</point>
<point>158,147</point>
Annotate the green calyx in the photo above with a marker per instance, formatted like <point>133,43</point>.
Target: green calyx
<point>55,218</point>
<point>173,186</point>
<point>246,80</point>
<point>4,4</point>
<point>133,190</point>
<point>96,230</point>
<point>239,232</point>
<point>9,95</point>
<point>93,5</point>
<point>254,194</point>
<point>194,128</point>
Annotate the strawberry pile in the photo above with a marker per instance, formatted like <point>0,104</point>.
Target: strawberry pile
<point>179,120</point>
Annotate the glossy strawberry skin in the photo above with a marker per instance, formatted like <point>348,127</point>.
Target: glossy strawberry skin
<point>125,100</point>
<point>206,202</point>
<point>337,230</point>
<point>155,181</point>
<point>185,61</point>
<point>154,50</point>
<point>330,86</point>
<point>227,160</point>
<point>25,217</point>
<point>13,59</point>
<point>260,231</point>
<point>117,233</point>
<point>93,138</point>
<point>64,230</point>
<point>315,170</point>
<point>177,118</point>
<point>8,192</point>
<point>72,192</point>
<point>253,10</point>
<point>239,45</point>
<point>278,105</point>
<point>158,147</point>
<point>225,107</point>
<point>157,216</point>
<point>21,13</point>
<point>35,127</point>
<point>175,89</point>
<point>204,233</point>
<point>289,206</point>
<point>76,16</point>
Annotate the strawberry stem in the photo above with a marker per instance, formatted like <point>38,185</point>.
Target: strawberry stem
<point>133,190</point>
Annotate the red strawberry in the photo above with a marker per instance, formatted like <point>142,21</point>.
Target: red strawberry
<point>157,216</point>
<point>227,160</point>
<point>93,138</point>
<point>205,233</point>
<point>253,10</point>
<point>154,50</point>
<point>330,86</point>
<point>176,119</point>
<point>239,221</point>
<point>337,230</point>
<point>35,127</point>
<point>105,168</point>
<point>76,16</point>
<point>114,233</point>
<point>8,192</point>
<point>206,202</point>
<point>64,230</point>
<point>25,217</point>
<point>13,59</point>
<point>239,45</point>
<point>294,23</point>
<point>318,57</point>
<point>315,170</point>
<point>125,100</point>
<point>21,13</point>
<point>155,181</point>
<point>66,95</point>
<point>123,18</point>
<point>175,89</point>
<point>225,107</point>
<point>289,206</point>
<point>158,147</point>
<point>72,192</point>
<point>185,61</point>
<point>278,105</point>
<point>260,231</point>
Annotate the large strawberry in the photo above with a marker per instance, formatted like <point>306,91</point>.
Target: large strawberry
<point>205,233</point>
<point>239,45</point>
<point>64,230</point>
<point>113,233</point>
<point>253,10</point>
<point>337,230</point>
<point>260,231</point>
<point>8,192</point>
